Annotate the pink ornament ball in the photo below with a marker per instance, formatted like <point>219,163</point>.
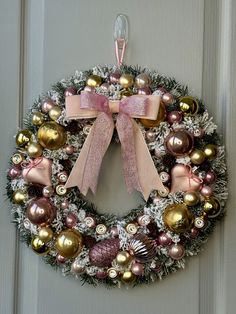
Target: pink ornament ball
<point>14,172</point>
<point>144,91</point>
<point>164,239</point>
<point>69,150</point>
<point>89,89</point>
<point>101,274</point>
<point>71,220</point>
<point>176,251</point>
<point>206,191</point>
<point>174,117</point>
<point>60,259</point>
<point>47,105</point>
<point>70,91</point>
<point>168,98</point>
<point>194,233</point>
<point>210,177</point>
<point>114,77</point>
<point>137,269</point>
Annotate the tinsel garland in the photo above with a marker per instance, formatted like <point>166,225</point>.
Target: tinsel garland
<point>154,209</point>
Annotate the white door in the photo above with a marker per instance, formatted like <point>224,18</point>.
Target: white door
<point>44,41</point>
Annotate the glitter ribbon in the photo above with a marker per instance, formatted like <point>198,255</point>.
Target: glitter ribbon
<point>139,170</point>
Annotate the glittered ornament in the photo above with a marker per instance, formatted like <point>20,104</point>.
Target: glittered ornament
<point>191,198</point>
<point>69,243</point>
<point>45,234</point>
<point>128,277</point>
<point>142,248</point>
<point>34,150</point>
<point>94,81</point>
<point>142,80</point>
<point>179,143</point>
<point>51,135</point>
<point>38,171</point>
<point>47,105</point>
<point>126,80</point>
<point>210,151</point>
<point>41,211</point>
<point>103,253</point>
<point>20,196</point>
<point>176,251</point>
<point>137,268</point>
<point>160,118</point>
<point>197,157</point>
<point>212,207</point>
<point>38,246</point>
<point>23,138</point>
<point>55,113</point>
<point>37,118</point>
<point>123,258</point>
<point>183,179</point>
<point>188,105</point>
<point>177,217</point>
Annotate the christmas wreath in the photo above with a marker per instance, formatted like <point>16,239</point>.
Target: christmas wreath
<point>171,154</point>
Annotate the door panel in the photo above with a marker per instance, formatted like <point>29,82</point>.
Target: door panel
<point>193,41</point>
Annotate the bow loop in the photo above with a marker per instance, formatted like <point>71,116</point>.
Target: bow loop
<point>91,101</point>
<point>134,106</point>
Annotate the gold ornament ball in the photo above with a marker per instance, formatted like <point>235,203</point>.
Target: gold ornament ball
<point>160,118</point>
<point>69,243</point>
<point>20,197</point>
<point>191,198</point>
<point>197,157</point>
<point>55,113</point>
<point>45,234</point>
<point>51,135</point>
<point>212,207</point>
<point>177,217</point>
<point>128,277</point>
<point>126,80</point>
<point>94,81</point>
<point>210,151</point>
<point>126,93</point>
<point>188,105</point>
<point>38,246</point>
<point>37,118</point>
<point>34,150</point>
<point>123,258</point>
<point>23,138</point>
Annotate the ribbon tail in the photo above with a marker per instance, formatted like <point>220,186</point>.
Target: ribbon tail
<point>148,176</point>
<point>85,172</point>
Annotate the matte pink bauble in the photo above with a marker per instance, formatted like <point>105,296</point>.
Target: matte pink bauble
<point>64,204</point>
<point>137,268</point>
<point>176,251</point>
<point>174,117</point>
<point>41,211</point>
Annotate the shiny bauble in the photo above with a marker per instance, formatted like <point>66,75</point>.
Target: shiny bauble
<point>210,151</point>
<point>34,150</point>
<point>212,207</point>
<point>89,89</point>
<point>199,222</point>
<point>191,198</point>
<point>38,246</point>
<point>60,259</point>
<point>114,231</point>
<point>197,157</point>
<point>176,251</point>
<point>20,196</point>
<point>142,248</point>
<point>137,268</point>
<point>69,149</point>
<point>114,77</point>
<point>128,277</point>
<point>123,258</point>
<point>94,81</point>
<point>160,118</point>
<point>210,177</point>
<point>71,220</point>
<point>48,191</point>
<point>65,204</point>
<point>174,117</point>
<point>150,136</point>
<point>177,218</point>
<point>23,138</point>
<point>37,118</point>
<point>69,243</point>
<point>167,98</point>
<point>70,91</point>
<point>51,135</point>
<point>142,80</point>
<point>41,211</point>
<point>194,232</point>
<point>164,239</point>
<point>206,191</point>
<point>77,268</point>
<point>55,113</point>
<point>126,93</point>
<point>179,143</point>
<point>47,105</point>
<point>144,91</point>
<point>126,80</point>
<point>14,172</point>
<point>188,105</point>
<point>45,234</point>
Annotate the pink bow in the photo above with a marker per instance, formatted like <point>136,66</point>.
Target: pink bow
<point>32,163</point>
<point>139,170</point>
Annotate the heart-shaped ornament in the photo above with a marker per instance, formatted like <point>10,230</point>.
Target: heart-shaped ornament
<point>183,179</point>
<point>39,171</point>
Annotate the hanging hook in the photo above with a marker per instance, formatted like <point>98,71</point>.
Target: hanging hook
<point>120,37</point>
